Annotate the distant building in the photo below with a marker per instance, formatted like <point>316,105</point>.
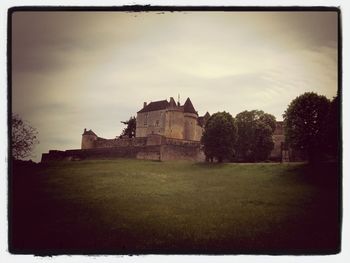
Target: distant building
<point>278,140</point>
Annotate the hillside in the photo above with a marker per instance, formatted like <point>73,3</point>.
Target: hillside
<point>134,206</point>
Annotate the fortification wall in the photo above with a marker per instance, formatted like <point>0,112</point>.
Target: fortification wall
<point>108,143</point>
<point>173,141</point>
<point>149,153</point>
<point>155,139</point>
<point>181,152</point>
<point>53,155</point>
<point>155,147</point>
<point>141,152</point>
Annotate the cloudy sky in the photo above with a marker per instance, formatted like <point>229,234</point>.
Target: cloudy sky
<point>76,70</point>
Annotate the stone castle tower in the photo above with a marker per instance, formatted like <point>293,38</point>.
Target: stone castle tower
<point>88,139</point>
<point>171,120</point>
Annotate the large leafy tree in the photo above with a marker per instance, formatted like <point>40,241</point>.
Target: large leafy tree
<point>333,136</point>
<point>305,124</point>
<point>254,135</point>
<point>23,138</point>
<point>219,136</point>
<point>130,130</point>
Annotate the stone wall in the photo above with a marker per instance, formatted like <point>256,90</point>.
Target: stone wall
<point>107,143</point>
<point>149,153</point>
<point>152,122</point>
<point>155,147</point>
<point>181,152</point>
<point>155,139</point>
<point>173,141</point>
<point>103,153</point>
<point>174,124</point>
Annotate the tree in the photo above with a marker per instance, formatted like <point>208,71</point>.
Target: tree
<point>24,138</point>
<point>305,124</point>
<point>333,128</point>
<point>219,136</point>
<point>130,130</point>
<point>254,135</point>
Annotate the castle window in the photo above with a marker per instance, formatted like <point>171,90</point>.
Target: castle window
<point>157,123</point>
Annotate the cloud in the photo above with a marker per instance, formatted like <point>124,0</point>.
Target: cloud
<point>76,70</point>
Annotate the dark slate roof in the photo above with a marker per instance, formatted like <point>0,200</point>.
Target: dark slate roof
<point>172,102</point>
<point>188,107</point>
<point>89,132</point>
<point>154,106</point>
<point>201,121</point>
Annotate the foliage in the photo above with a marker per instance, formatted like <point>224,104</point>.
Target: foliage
<point>254,135</point>
<point>23,139</point>
<point>305,124</point>
<point>333,128</point>
<point>130,130</point>
<point>219,136</point>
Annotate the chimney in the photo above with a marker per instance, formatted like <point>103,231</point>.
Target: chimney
<point>144,104</point>
<point>84,130</point>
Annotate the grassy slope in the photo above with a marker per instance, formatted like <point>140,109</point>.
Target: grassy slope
<point>174,207</point>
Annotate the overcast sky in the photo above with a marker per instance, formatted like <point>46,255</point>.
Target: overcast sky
<point>92,70</point>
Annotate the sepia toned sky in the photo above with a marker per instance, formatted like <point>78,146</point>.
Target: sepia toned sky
<point>76,70</point>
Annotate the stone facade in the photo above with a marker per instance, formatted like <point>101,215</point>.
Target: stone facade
<point>170,120</point>
<point>278,140</point>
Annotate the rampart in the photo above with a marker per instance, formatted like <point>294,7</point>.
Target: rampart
<point>154,147</point>
<point>108,143</point>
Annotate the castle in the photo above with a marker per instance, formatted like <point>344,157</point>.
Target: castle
<point>166,119</point>
<point>170,120</point>
<point>165,130</point>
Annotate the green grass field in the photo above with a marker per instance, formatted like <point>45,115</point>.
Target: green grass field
<point>133,206</point>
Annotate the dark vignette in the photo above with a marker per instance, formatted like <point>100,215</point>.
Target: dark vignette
<point>160,10</point>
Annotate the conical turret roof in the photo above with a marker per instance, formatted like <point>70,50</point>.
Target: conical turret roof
<point>172,102</point>
<point>188,107</point>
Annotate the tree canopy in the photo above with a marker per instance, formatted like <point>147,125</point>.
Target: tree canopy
<point>130,130</point>
<point>333,136</point>
<point>219,136</point>
<point>305,124</point>
<point>24,138</point>
<point>254,135</point>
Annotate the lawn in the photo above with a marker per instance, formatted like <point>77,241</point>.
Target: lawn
<point>134,206</point>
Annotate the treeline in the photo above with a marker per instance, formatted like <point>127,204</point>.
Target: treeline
<point>311,123</point>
